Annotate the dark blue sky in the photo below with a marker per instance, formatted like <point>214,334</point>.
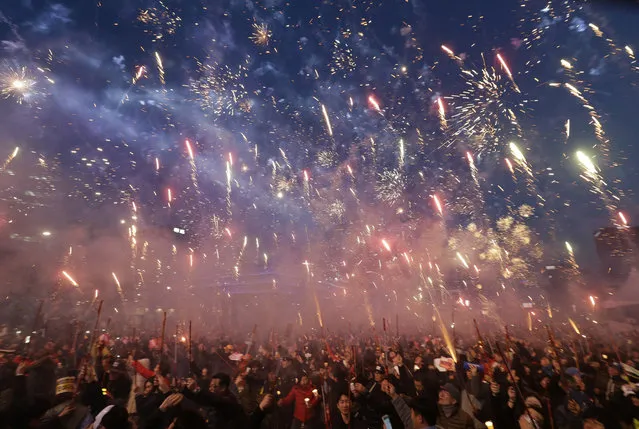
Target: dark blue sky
<point>227,94</point>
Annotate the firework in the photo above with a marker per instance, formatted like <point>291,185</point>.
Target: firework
<point>17,84</point>
<point>68,277</point>
<point>386,245</point>
<point>373,102</point>
<point>261,34</point>
<point>160,66</point>
<point>442,113</point>
<point>327,120</point>
<point>483,114</point>
<point>438,204</point>
<point>390,187</point>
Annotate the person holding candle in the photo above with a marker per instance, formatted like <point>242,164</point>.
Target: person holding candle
<point>305,399</point>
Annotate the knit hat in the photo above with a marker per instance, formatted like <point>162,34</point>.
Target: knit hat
<point>453,390</point>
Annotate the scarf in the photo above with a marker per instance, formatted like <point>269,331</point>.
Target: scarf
<point>449,410</point>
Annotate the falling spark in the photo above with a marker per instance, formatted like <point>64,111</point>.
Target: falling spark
<point>574,326</point>
<point>510,165</point>
<point>157,164</point>
<point>402,152</point>
<point>587,164</point>
<point>328,121</point>
<point>623,219</point>
<point>438,204</point>
<point>10,158</point>
<point>73,282</point>
<point>566,64</point>
<point>442,113</point>
<point>507,70</point>
<point>374,103</point>
<point>169,195</point>
<point>592,301</point>
<point>158,60</point>
<point>569,247</point>
<point>568,129</point>
<point>386,245</point>
<point>463,261</point>
<point>138,75</point>
<point>189,150</point>
<point>448,51</point>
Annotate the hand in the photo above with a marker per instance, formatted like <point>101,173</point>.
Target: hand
<point>389,389</point>
<point>494,388</point>
<point>574,407</point>
<point>267,402</point>
<point>171,401</point>
<point>240,381</point>
<point>280,403</point>
<point>191,384</point>
<point>21,369</point>
<point>67,410</point>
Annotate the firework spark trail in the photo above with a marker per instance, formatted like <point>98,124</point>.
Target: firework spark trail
<point>68,277</point>
<point>508,73</point>
<point>229,178</point>
<point>238,261</point>
<point>10,158</point>
<point>327,120</point>
<point>194,178</point>
<point>531,181</point>
<point>438,205</point>
<point>442,113</point>
<point>17,84</point>
<point>160,66</point>
<point>592,175</point>
<point>373,102</point>
<point>482,116</point>
<point>117,283</point>
<point>136,77</point>
<point>595,117</point>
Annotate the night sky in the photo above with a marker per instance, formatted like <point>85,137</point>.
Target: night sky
<point>293,162</point>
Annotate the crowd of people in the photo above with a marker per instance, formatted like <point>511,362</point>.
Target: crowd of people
<point>318,381</point>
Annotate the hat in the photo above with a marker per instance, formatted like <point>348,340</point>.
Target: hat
<point>64,385</point>
<point>453,390</point>
<point>380,370</point>
<point>361,380</point>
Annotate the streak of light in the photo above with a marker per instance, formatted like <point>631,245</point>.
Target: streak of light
<point>327,120</point>
<point>73,282</point>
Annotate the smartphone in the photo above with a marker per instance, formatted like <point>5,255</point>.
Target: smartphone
<point>352,387</point>
<point>387,422</point>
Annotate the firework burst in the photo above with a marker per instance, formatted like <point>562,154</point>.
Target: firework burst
<point>261,34</point>
<point>17,84</point>
<point>390,187</point>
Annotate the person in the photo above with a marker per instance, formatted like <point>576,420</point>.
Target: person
<point>450,415</point>
<point>112,417</point>
<point>146,403</point>
<point>223,410</point>
<point>345,418</point>
<point>423,414</point>
<point>304,398</point>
